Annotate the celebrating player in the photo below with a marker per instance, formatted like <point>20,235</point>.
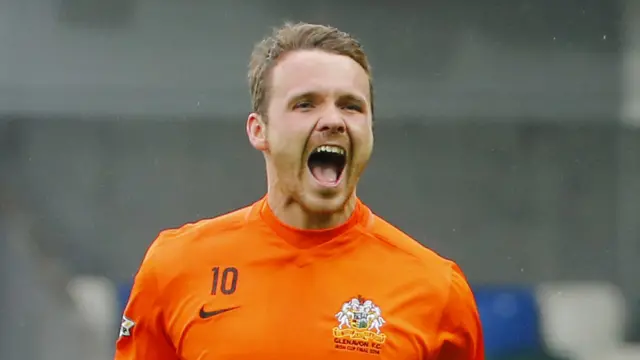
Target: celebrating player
<point>308,271</point>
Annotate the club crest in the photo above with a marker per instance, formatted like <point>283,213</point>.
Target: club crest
<point>359,326</point>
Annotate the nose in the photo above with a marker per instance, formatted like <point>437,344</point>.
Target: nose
<point>331,122</point>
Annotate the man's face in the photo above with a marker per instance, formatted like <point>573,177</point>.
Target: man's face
<point>318,136</point>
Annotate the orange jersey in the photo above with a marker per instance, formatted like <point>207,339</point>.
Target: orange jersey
<point>246,286</point>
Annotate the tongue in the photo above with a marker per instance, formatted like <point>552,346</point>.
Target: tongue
<point>325,173</point>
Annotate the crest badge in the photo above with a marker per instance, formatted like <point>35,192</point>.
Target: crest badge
<point>359,326</point>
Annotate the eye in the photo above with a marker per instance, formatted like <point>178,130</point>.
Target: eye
<point>353,107</point>
<point>303,105</point>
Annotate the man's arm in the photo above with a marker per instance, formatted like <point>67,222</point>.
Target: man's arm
<point>142,334</point>
<point>460,331</point>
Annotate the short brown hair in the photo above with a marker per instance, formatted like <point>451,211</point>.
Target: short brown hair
<point>299,36</point>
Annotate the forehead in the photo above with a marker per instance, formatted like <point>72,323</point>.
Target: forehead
<point>318,71</point>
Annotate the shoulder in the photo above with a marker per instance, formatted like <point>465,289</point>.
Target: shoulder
<point>439,281</point>
<point>443,282</point>
<point>405,246</point>
<point>442,277</point>
<point>177,240</point>
<point>177,253</point>
<point>178,248</point>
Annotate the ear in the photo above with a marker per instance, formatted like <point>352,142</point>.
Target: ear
<point>257,132</point>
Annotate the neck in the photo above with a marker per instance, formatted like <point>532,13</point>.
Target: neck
<point>292,213</point>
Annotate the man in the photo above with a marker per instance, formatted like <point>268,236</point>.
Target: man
<point>307,272</point>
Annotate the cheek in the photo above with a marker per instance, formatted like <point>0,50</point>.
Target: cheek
<point>284,146</point>
<point>365,152</point>
<point>363,139</point>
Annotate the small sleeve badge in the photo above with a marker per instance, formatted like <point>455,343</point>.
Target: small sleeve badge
<point>125,326</point>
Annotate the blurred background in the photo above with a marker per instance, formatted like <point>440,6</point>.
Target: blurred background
<point>507,139</point>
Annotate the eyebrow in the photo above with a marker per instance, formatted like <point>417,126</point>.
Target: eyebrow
<point>352,98</point>
<point>314,95</point>
<point>304,95</point>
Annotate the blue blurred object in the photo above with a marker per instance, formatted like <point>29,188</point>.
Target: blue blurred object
<point>510,319</point>
<point>124,290</point>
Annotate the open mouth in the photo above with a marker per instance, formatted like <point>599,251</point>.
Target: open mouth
<point>327,163</point>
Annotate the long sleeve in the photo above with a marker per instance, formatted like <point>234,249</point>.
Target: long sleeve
<point>460,331</point>
<point>142,333</point>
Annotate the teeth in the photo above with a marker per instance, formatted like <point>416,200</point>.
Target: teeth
<point>330,149</point>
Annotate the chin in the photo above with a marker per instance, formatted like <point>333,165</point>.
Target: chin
<point>324,203</point>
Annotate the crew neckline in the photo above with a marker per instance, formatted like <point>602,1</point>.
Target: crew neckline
<point>306,239</point>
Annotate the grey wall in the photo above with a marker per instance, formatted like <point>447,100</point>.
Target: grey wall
<point>500,60</point>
